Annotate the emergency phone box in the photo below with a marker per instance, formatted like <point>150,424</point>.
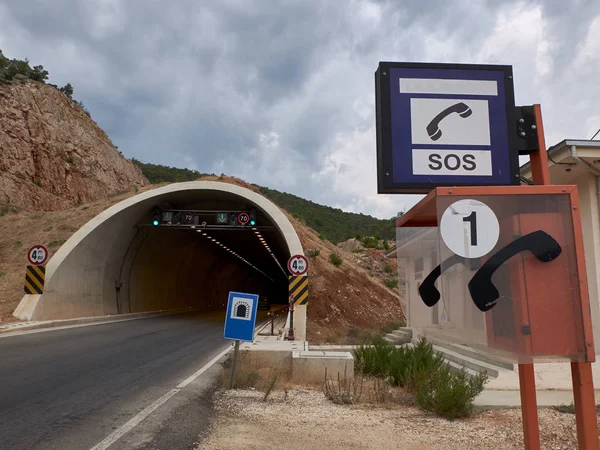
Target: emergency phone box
<point>499,269</point>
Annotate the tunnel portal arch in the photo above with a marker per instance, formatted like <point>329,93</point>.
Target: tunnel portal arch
<point>98,264</point>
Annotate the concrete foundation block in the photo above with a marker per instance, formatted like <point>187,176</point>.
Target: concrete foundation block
<point>310,366</point>
<point>26,308</point>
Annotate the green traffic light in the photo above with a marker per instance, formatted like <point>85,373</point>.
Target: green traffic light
<point>155,223</point>
<point>252,222</point>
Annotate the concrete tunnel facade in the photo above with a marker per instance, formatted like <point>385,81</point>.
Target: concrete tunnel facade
<point>118,263</point>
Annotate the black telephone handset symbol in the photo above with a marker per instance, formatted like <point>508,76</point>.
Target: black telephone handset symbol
<point>433,129</point>
<point>428,292</point>
<point>483,292</point>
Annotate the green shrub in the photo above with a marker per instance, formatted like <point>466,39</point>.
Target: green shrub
<point>313,253</point>
<point>423,372</point>
<point>391,282</point>
<point>449,394</point>
<point>388,269</point>
<point>335,259</point>
<point>56,243</point>
<point>374,360</point>
<point>386,246</point>
<point>371,242</point>
<point>47,229</point>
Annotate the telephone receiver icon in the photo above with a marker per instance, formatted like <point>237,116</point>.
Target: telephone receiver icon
<point>433,129</point>
<point>483,292</point>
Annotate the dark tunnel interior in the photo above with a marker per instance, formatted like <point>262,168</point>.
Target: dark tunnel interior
<point>195,265</point>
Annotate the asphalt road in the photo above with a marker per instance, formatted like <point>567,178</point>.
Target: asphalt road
<point>71,388</point>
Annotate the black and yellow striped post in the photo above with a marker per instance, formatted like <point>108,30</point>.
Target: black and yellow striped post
<point>299,289</point>
<point>34,279</point>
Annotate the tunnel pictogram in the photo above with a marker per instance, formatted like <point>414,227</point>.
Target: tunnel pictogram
<point>241,310</point>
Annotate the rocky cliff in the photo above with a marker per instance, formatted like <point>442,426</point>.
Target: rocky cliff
<point>52,155</point>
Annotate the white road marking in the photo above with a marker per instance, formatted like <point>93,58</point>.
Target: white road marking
<point>117,434</point>
<point>135,421</point>
<point>17,332</point>
<point>207,366</point>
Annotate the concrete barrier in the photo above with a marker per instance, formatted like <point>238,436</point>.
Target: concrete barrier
<point>311,367</point>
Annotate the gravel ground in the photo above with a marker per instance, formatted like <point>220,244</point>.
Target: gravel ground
<point>307,420</point>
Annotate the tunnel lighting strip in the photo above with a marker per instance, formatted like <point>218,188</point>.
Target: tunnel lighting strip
<point>211,239</point>
<point>264,242</point>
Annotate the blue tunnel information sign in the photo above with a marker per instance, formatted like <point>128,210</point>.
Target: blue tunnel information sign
<point>240,320</point>
<point>444,125</point>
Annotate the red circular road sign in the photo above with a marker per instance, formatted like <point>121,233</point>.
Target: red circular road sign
<point>298,265</point>
<point>243,218</point>
<point>37,255</point>
<point>188,218</point>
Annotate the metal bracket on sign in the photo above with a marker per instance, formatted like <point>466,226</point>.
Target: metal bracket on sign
<point>526,130</point>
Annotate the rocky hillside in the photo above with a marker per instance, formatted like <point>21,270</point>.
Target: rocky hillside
<point>52,155</point>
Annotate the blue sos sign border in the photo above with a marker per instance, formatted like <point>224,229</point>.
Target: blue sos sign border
<point>445,125</point>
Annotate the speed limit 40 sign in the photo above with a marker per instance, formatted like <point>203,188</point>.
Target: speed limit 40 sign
<point>298,265</point>
<point>37,255</point>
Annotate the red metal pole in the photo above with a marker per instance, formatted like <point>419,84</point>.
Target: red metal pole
<point>585,406</point>
<point>581,372</point>
<point>531,427</point>
<point>540,174</point>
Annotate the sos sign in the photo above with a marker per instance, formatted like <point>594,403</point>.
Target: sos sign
<point>452,162</point>
<point>445,125</point>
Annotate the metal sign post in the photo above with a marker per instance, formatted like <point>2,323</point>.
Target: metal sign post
<point>290,336</point>
<point>236,352</point>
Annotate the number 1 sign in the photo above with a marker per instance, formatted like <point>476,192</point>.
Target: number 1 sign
<point>470,228</point>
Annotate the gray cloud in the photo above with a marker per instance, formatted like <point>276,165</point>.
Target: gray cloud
<point>281,92</point>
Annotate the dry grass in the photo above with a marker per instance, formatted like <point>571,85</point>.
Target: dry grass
<point>257,372</point>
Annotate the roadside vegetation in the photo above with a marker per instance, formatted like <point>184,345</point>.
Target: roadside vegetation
<point>384,374</point>
<point>336,259</point>
<point>375,241</point>
<point>435,386</point>
<point>17,70</point>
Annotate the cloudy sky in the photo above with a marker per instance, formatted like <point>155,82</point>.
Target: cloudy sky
<point>281,92</point>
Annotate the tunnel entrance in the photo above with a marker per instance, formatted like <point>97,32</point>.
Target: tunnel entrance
<point>122,261</point>
<point>196,247</point>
